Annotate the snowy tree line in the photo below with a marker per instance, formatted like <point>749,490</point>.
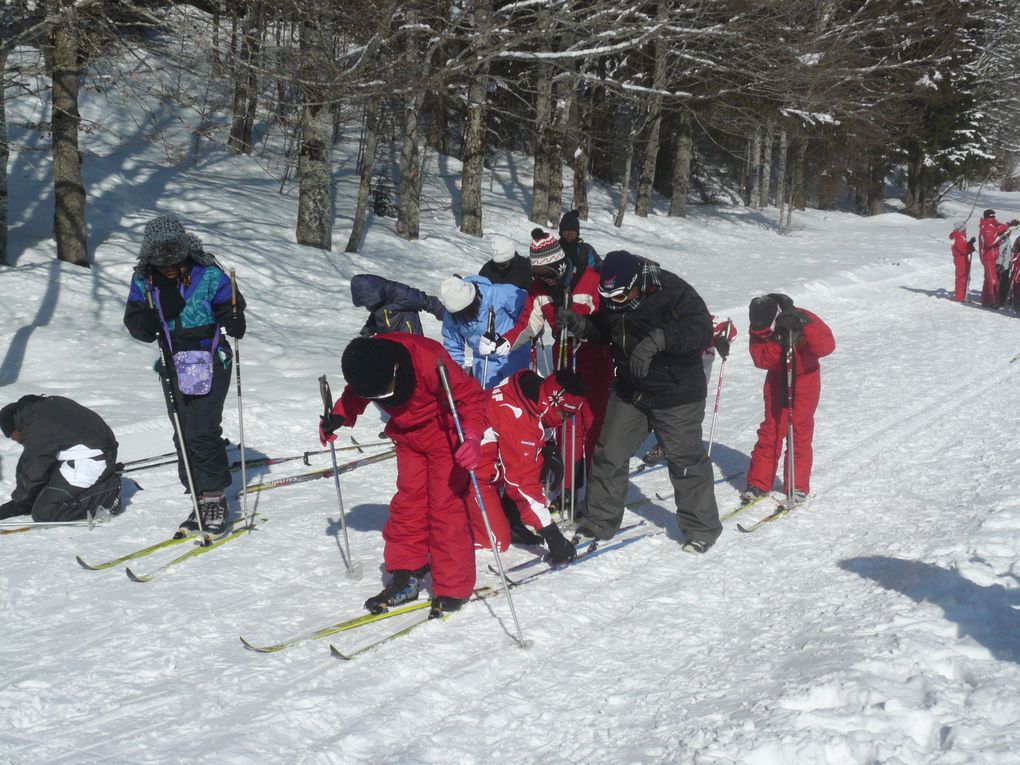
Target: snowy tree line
<point>786,103</point>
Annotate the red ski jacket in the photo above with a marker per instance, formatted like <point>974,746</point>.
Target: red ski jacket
<point>816,343</point>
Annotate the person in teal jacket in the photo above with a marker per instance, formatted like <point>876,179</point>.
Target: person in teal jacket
<point>469,302</point>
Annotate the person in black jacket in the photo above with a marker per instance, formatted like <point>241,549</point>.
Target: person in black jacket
<point>581,253</point>
<point>506,266</point>
<point>657,326</point>
<point>392,306</point>
<point>67,469</point>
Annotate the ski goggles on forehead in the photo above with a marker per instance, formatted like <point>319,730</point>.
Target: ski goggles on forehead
<point>620,294</point>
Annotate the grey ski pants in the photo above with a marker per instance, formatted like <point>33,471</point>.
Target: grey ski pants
<point>678,429</point>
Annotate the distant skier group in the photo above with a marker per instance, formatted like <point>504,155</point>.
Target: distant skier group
<point>544,433</point>
<point>999,261</point>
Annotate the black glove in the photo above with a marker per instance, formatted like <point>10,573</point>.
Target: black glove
<point>785,302</point>
<point>761,312</point>
<point>235,326</point>
<point>722,345</point>
<point>12,508</point>
<point>150,322</point>
<point>552,464</point>
<point>790,327</point>
<point>970,244</point>
<point>641,357</point>
<point>574,323</point>
<point>1014,222</point>
<point>561,550</point>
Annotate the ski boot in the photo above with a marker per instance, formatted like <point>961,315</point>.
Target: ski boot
<point>443,605</point>
<point>188,527</point>
<point>751,494</point>
<point>655,455</point>
<point>561,550</point>
<point>403,587</point>
<point>696,546</point>
<point>213,506</point>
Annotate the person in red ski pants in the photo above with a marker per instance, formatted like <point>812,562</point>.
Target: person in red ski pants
<point>962,250</point>
<point>519,411</point>
<point>773,320</point>
<point>990,233</point>
<point>429,524</point>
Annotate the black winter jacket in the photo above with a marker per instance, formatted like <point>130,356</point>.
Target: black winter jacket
<point>517,272</point>
<point>48,426</point>
<point>676,375</point>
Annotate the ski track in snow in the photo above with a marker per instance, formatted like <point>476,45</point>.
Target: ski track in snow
<point>879,623</point>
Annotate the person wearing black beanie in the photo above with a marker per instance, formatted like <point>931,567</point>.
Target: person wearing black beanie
<point>67,471</point>
<point>581,253</point>
<point>429,526</point>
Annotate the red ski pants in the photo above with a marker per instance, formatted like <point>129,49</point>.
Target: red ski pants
<point>429,520</point>
<point>773,430</point>
<point>990,288</point>
<point>595,366</point>
<point>962,263</point>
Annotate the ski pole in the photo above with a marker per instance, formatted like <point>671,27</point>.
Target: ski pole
<point>354,570</point>
<point>240,404</point>
<point>718,391</point>
<point>791,475</point>
<point>445,380</point>
<point>490,331</point>
<point>573,438</point>
<point>171,398</point>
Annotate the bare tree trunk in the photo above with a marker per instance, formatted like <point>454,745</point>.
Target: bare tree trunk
<point>4,156</point>
<point>474,131</point>
<point>561,117</point>
<point>827,181</point>
<point>766,166</point>
<point>754,168</point>
<point>876,184</point>
<point>628,163</point>
<point>682,169</point>
<point>367,165</point>
<point>579,137</point>
<point>315,198</point>
<point>69,196</point>
<point>246,83</point>
<point>408,217</point>
<point>543,128</point>
<point>647,175</point>
<point>784,146</point>
<point>798,194</point>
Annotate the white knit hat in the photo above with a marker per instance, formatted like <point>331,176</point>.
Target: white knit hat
<point>503,249</point>
<point>456,294</point>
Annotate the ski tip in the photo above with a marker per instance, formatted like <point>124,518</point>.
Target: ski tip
<point>741,528</point>
<point>137,577</point>
<point>257,648</point>
<point>337,653</point>
<point>85,565</point>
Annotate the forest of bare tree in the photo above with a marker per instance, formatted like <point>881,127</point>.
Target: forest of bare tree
<point>770,104</point>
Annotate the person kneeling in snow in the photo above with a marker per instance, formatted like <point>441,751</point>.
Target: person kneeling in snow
<point>774,322</point>
<point>67,469</point>
<point>429,523</point>
<point>512,459</point>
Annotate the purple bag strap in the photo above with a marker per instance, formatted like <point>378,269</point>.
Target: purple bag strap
<point>166,328</point>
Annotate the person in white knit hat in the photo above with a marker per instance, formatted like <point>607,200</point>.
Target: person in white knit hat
<point>506,266</point>
<point>475,307</point>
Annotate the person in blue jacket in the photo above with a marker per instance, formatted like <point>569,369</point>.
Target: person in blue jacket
<point>469,301</point>
<point>393,307</point>
<point>191,299</point>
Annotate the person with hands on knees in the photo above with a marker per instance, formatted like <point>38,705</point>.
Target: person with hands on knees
<point>473,304</point>
<point>657,326</point>
<point>514,456</point>
<point>776,325</point>
<point>429,525</point>
<point>962,248</point>
<point>191,298</point>
<point>392,306</point>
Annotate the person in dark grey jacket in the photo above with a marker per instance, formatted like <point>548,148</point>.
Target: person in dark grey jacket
<point>392,306</point>
<point>656,325</point>
<point>67,469</point>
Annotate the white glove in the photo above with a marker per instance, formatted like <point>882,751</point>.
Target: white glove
<point>499,346</point>
<point>502,347</point>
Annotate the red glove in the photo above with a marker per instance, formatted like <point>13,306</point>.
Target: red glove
<point>469,451</point>
<point>328,424</point>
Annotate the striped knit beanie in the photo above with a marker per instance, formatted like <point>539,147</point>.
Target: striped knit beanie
<point>545,249</point>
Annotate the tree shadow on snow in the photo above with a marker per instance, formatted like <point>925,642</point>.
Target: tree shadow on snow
<point>989,615</point>
<point>10,367</point>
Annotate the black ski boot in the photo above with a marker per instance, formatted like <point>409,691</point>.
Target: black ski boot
<point>403,587</point>
<point>213,506</point>
<point>443,605</point>
<point>189,527</point>
<point>561,550</point>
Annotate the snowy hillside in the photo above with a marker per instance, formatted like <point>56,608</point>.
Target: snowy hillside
<point>878,624</point>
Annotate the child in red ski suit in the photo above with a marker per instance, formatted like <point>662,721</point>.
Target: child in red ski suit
<point>812,340</point>
<point>962,250</point>
<point>989,232</point>
<point>429,523</point>
<point>519,410</point>
<point>559,284</point>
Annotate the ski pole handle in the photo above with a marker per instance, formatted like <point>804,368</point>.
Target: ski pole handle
<point>233,291</point>
<point>327,396</point>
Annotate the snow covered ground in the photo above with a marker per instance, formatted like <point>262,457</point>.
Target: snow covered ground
<point>878,624</point>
